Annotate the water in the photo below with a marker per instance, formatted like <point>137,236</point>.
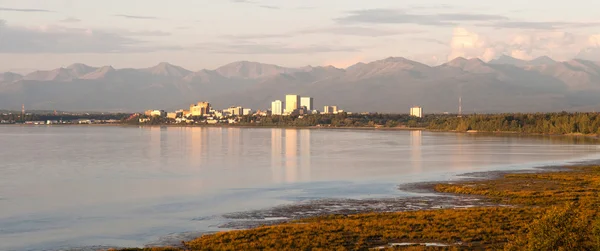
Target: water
<point>72,186</point>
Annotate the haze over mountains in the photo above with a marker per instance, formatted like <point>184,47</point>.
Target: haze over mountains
<point>393,84</point>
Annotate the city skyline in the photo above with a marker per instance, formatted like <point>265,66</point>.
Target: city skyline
<point>37,35</point>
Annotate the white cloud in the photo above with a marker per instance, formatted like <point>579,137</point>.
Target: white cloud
<point>594,40</point>
<point>556,44</point>
<point>469,44</point>
<point>60,39</point>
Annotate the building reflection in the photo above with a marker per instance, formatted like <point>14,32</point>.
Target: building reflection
<point>291,155</point>
<point>290,160</point>
<point>234,142</point>
<point>153,151</point>
<point>416,154</point>
<point>197,145</point>
<point>459,159</point>
<point>277,155</point>
<point>305,155</point>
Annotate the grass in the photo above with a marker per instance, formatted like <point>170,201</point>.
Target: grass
<point>543,212</point>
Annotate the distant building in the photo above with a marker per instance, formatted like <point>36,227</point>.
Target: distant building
<point>416,112</point>
<point>172,115</point>
<point>277,108</point>
<point>235,111</point>
<point>158,113</point>
<point>330,110</point>
<point>292,102</point>
<point>200,109</point>
<point>263,113</point>
<point>247,111</point>
<point>148,113</point>
<point>306,102</point>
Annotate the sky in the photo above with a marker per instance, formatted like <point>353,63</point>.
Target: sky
<point>206,34</point>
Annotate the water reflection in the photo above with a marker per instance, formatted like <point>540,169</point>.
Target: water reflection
<point>290,162</point>
<point>305,155</point>
<point>291,155</point>
<point>234,139</point>
<point>276,155</point>
<point>197,145</point>
<point>141,182</point>
<point>415,150</point>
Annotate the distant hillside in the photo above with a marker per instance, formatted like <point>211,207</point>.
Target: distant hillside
<point>388,85</point>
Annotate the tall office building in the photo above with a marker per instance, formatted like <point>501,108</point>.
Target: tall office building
<point>277,107</point>
<point>416,112</point>
<point>292,102</point>
<point>235,111</point>
<point>307,102</point>
<point>200,109</point>
<point>330,110</point>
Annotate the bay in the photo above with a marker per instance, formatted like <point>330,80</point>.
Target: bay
<point>77,186</point>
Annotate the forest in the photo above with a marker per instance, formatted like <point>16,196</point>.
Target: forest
<point>538,123</point>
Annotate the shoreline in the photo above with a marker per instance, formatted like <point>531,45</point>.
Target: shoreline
<point>495,133</point>
<point>425,198</point>
<point>512,205</point>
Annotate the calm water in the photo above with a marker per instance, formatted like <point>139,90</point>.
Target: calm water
<point>79,186</point>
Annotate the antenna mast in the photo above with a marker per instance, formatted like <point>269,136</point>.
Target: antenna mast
<point>460,106</point>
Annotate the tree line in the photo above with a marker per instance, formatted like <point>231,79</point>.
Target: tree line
<point>538,123</point>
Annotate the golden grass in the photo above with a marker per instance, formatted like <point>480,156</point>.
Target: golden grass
<point>535,200</point>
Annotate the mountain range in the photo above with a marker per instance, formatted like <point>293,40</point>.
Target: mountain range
<point>390,85</point>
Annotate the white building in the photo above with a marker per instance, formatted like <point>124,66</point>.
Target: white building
<point>247,111</point>
<point>158,113</point>
<point>307,102</point>
<point>330,110</point>
<point>234,111</point>
<point>292,103</point>
<point>277,108</point>
<point>416,112</point>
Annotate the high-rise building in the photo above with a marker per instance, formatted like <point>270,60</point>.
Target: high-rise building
<point>307,102</point>
<point>200,109</point>
<point>277,107</point>
<point>235,111</point>
<point>292,102</point>
<point>158,113</point>
<point>416,112</point>
<point>330,110</point>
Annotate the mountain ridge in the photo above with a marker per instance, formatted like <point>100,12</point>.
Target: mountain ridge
<point>388,85</point>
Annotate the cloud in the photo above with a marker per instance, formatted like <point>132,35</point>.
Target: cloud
<point>273,48</point>
<point>24,10</point>
<point>337,30</point>
<point>431,40</point>
<point>592,52</point>
<point>526,45</point>
<point>59,39</point>
<point>145,33</point>
<point>70,20</point>
<point>305,8</point>
<point>432,7</point>
<point>594,40</point>
<point>390,16</point>
<point>137,17</point>
<point>540,25</point>
<point>264,6</point>
<point>358,31</point>
<point>468,44</point>
<point>270,7</point>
